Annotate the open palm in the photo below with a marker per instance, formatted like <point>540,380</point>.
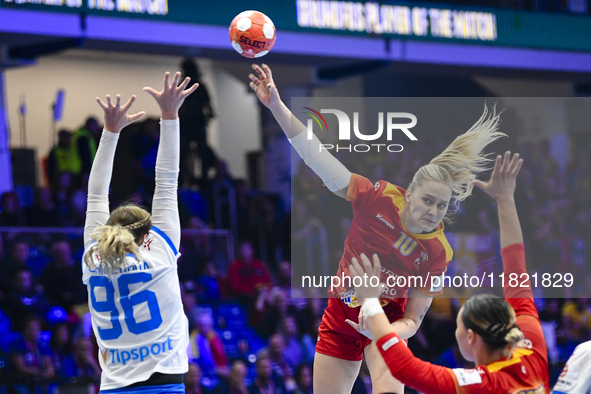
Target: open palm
<point>264,87</point>
<point>503,178</point>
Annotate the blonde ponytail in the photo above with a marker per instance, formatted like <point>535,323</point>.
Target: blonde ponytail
<point>119,237</point>
<point>459,163</point>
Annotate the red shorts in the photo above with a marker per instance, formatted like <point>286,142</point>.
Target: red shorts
<point>336,338</point>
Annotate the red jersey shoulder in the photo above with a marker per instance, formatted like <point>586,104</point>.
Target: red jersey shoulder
<point>514,376</point>
<point>362,193</point>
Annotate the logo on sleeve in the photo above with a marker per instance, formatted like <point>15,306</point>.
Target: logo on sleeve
<point>467,376</point>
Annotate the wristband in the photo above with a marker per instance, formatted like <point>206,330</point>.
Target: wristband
<point>371,307</point>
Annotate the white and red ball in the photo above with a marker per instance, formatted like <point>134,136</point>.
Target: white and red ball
<point>252,34</point>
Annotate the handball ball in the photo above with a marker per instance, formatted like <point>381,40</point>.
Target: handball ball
<point>252,34</point>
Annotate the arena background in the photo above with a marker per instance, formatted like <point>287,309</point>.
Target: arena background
<point>524,48</point>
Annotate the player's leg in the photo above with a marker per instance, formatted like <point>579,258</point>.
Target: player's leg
<point>333,375</point>
<point>382,380</point>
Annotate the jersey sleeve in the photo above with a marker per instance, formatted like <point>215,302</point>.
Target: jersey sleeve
<point>521,299</point>
<point>362,193</point>
<point>165,211</point>
<point>576,375</point>
<point>514,263</point>
<point>413,372</point>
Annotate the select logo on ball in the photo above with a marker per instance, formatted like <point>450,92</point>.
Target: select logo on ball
<point>252,34</point>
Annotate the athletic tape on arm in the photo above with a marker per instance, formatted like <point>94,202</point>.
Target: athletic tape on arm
<point>371,307</point>
<point>332,172</point>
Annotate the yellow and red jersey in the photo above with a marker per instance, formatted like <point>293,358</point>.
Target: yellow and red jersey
<point>525,372</point>
<point>410,260</point>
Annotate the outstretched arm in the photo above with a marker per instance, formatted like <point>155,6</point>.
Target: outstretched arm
<point>501,187</point>
<point>165,211</point>
<point>116,118</point>
<point>332,172</point>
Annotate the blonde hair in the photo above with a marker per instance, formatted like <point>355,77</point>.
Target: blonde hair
<point>459,163</point>
<point>119,237</point>
<point>493,319</point>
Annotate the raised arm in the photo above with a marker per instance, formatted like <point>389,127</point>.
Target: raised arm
<point>501,187</point>
<point>333,173</point>
<point>165,211</point>
<point>116,118</point>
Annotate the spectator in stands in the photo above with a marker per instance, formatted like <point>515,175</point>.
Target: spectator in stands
<point>210,283</point>
<point>61,352</point>
<point>189,300</point>
<point>193,380</point>
<point>84,145</point>
<point>279,364</point>
<point>62,278</point>
<point>12,214</point>
<point>576,321</point>
<point>297,349</point>
<point>86,364</point>
<point>25,299</point>
<point>235,383</point>
<point>145,149</point>
<point>265,382</point>
<point>62,190</point>
<point>31,356</point>
<point>20,253</point>
<point>195,114</point>
<point>303,379</point>
<point>247,275</point>
<point>208,350</point>
<point>60,158</point>
<point>195,250</point>
<point>270,307</point>
<point>44,213</point>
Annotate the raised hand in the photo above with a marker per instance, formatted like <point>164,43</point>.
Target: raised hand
<point>172,95</point>
<point>264,87</point>
<point>502,181</point>
<point>116,117</point>
<point>369,286</point>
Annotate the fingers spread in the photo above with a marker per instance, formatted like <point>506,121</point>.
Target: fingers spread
<point>352,324</point>
<point>366,264</point>
<point>100,102</point>
<point>517,168</point>
<point>128,103</point>
<point>184,84</point>
<point>268,71</point>
<point>497,167</point>
<point>175,81</point>
<point>136,117</point>
<point>109,101</point>
<point>259,71</point>
<point>479,183</point>
<point>513,164</point>
<point>505,165</point>
<point>151,92</point>
<point>167,80</point>
<point>377,266</point>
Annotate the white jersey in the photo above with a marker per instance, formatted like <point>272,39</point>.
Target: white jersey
<point>576,375</point>
<point>137,315</point>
